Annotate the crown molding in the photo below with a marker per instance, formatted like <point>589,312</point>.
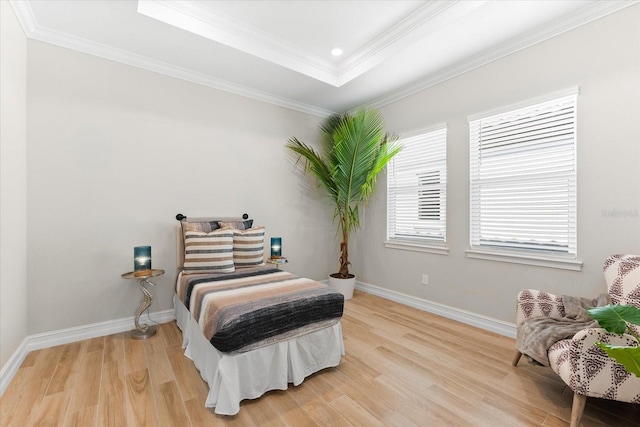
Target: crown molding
<point>402,35</point>
<point>588,14</point>
<point>197,18</point>
<point>37,32</point>
<point>25,16</point>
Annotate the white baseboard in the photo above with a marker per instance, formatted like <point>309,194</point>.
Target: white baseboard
<point>478,320</point>
<point>11,367</point>
<point>65,336</point>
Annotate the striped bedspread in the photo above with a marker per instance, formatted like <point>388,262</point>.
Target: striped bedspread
<point>253,307</point>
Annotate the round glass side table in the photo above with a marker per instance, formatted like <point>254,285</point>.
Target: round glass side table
<point>143,331</point>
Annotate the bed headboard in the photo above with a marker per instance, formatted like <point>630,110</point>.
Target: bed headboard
<point>180,231</point>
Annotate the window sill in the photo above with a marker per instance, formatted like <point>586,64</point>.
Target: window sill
<point>526,259</point>
<point>417,247</point>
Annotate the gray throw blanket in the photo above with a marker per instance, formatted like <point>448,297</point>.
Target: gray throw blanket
<point>537,334</point>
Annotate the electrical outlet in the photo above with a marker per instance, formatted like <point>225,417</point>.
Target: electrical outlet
<point>425,279</point>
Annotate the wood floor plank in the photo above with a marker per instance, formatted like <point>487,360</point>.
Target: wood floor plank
<point>64,376</point>
<point>406,378</point>
<point>187,377</point>
<point>323,388</point>
<point>354,413</point>
<point>170,334</point>
<point>135,358</point>
<point>473,412</point>
<point>523,412</point>
<point>379,404</point>
<point>160,370</point>
<point>291,413</point>
<point>114,348</point>
<point>112,410</point>
<point>86,417</point>
<point>86,389</point>
<point>171,409</point>
<point>31,394</point>
<point>45,363</point>
<point>304,392</point>
<point>141,408</point>
<point>51,411</point>
<point>262,412</point>
<point>201,416</point>
<point>93,344</point>
<point>241,419</point>
<point>12,393</point>
<point>333,376</point>
<point>443,371</point>
<point>323,414</point>
<point>30,359</point>
<point>553,421</point>
<point>360,361</point>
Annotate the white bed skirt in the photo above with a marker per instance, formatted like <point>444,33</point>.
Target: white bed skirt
<point>233,377</point>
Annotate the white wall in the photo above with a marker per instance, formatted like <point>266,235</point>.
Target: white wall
<point>603,59</point>
<point>114,152</point>
<point>13,183</point>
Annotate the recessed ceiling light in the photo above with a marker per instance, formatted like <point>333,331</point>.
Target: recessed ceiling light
<point>336,51</point>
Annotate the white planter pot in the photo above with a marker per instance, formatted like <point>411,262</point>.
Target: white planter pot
<point>344,286</point>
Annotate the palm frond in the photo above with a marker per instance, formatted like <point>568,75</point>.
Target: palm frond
<point>314,164</point>
<point>356,147</point>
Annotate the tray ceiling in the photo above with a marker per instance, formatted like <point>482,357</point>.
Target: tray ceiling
<point>280,51</point>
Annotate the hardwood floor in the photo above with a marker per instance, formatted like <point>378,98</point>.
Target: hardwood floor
<point>403,367</point>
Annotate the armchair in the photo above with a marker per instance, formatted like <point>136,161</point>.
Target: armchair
<point>582,365</point>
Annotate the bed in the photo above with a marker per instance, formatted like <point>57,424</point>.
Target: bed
<point>248,327</point>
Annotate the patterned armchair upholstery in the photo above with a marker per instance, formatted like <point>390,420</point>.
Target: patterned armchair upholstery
<point>582,365</point>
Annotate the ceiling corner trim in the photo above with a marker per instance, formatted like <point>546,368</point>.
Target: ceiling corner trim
<point>193,17</point>
<point>25,16</point>
<point>588,14</point>
<point>403,35</point>
<point>36,32</point>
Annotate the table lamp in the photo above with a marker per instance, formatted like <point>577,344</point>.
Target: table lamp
<point>276,247</point>
<point>142,261</point>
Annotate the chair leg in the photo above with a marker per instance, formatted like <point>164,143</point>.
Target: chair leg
<point>516,358</point>
<point>577,408</point>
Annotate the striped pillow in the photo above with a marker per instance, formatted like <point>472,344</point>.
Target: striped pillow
<point>248,247</point>
<point>204,226</point>
<point>208,252</point>
<point>238,225</point>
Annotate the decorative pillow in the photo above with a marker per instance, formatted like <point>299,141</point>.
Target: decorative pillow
<point>208,252</point>
<point>205,227</point>
<point>248,247</point>
<point>238,225</point>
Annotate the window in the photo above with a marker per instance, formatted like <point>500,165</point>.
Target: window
<point>417,191</point>
<point>523,179</point>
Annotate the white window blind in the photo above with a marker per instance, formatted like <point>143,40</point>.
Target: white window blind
<point>523,179</point>
<point>417,190</point>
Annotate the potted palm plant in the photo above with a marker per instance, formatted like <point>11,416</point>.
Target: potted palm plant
<point>354,149</point>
